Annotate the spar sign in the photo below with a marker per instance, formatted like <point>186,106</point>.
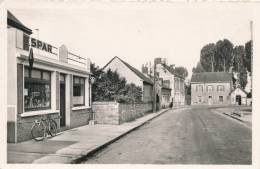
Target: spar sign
<point>41,45</point>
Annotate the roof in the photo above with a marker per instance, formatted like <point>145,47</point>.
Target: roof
<point>172,71</point>
<point>136,71</point>
<point>238,88</point>
<point>14,22</point>
<point>211,77</point>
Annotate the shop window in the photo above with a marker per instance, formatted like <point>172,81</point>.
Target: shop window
<point>78,91</point>
<point>37,89</point>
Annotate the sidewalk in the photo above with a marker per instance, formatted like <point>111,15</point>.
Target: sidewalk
<point>73,145</point>
<point>242,115</point>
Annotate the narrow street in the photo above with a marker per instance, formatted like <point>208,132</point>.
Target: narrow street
<point>184,136</point>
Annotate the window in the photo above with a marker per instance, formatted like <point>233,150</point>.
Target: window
<point>199,88</point>
<point>26,42</point>
<point>37,89</point>
<point>78,91</point>
<point>209,88</point>
<point>199,99</point>
<point>220,88</point>
<point>220,98</point>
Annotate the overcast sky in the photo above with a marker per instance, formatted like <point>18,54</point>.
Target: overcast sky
<point>137,32</point>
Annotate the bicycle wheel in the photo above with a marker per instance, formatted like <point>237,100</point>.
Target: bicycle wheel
<point>53,128</point>
<point>38,131</point>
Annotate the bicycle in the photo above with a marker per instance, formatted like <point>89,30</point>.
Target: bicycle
<point>43,127</point>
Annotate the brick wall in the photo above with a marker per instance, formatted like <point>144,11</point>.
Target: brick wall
<point>24,126</point>
<point>79,117</point>
<point>115,113</point>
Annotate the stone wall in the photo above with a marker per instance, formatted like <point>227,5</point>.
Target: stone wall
<point>130,112</point>
<point>118,113</point>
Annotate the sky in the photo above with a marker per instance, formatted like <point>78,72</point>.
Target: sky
<point>136,32</point>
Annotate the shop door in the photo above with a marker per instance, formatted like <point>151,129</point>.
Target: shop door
<point>62,101</point>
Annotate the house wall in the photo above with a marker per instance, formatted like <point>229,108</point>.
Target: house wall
<point>124,71</point>
<point>147,93</point>
<point>176,84</point>
<point>166,98</point>
<point>243,95</point>
<point>215,95</point>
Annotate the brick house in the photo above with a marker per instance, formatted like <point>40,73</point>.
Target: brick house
<point>58,84</point>
<point>132,75</point>
<point>211,88</point>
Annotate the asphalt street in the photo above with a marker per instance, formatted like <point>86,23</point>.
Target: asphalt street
<point>193,135</point>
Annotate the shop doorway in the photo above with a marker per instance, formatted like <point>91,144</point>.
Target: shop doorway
<point>238,99</point>
<point>62,101</point>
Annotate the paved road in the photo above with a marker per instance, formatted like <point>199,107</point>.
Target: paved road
<point>185,136</point>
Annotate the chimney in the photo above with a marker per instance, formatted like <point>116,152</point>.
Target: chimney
<point>158,60</point>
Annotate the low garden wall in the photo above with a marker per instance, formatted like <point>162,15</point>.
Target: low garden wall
<point>118,113</point>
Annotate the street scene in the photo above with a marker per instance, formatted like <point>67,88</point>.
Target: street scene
<point>184,136</point>
<point>129,85</point>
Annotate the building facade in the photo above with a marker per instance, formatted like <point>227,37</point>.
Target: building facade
<point>211,88</point>
<point>238,96</point>
<point>132,75</point>
<point>52,81</point>
<point>170,80</point>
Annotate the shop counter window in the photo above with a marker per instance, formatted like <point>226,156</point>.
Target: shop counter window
<point>37,89</point>
<point>78,91</point>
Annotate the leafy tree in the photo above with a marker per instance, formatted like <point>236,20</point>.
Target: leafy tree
<point>223,57</point>
<point>109,86</point>
<point>181,71</point>
<point>238,55</point>
<point>199,68</point>
<point>207,57</point>
<point>247,57</point>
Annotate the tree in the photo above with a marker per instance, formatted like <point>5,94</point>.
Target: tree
<point>247,57</point>
<point>109,86</point>
<point>207,57</point>
<point>181,71</point>
<point>199,68</point>
<point>237,56</point>
<point>223,57</point>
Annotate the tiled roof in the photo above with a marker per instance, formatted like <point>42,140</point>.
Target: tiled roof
<point>14,22</point>
<point>207,77</point>
<point>136,71</point>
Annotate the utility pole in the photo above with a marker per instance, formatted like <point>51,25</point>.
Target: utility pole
<point>154,86</point>
<point>251,31</point>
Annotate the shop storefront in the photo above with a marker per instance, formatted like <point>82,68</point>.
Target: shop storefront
<point>54,82</point>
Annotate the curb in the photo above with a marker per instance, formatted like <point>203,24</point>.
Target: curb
<point>234,117</point>
<point>230,116</point>
<point>92,152</point>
